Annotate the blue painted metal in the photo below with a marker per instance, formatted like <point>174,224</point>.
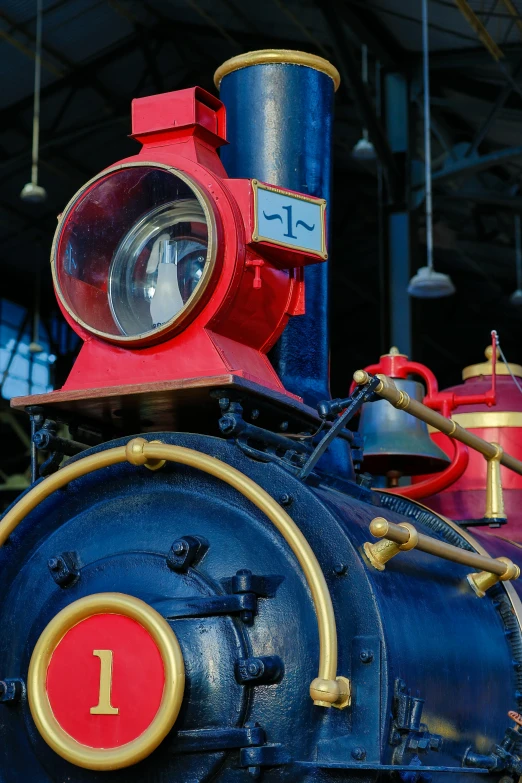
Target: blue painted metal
<point>418,620</point>
<point>399,240</point>
<point>279,125</point>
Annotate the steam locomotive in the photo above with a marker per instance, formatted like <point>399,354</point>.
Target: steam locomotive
<point>209,588</point>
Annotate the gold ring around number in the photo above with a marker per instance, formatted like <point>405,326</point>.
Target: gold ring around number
<point>165,639</point>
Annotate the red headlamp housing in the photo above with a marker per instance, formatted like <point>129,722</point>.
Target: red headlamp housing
<point>169,270</point>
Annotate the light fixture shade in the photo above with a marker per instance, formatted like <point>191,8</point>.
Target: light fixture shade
<point>516,298</point>
<point>33,194</point>
<point>364,150</point>
<point>428,284</point>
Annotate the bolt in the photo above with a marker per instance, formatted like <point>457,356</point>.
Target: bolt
<point>54,564</point>
<point>366,656</point>
<point>254,668</point>
<point>286,499</point>
<point>224,402</point>
<point>11,690</point>
<point>226,426</point>
<point>40,439</point>
<point>179,547</point>
<point>340,569</point>
<point>359,754</point>
<point>255,414</point>
<point>283,426</point>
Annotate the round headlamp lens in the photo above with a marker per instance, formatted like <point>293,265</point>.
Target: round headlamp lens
<point>133,253</point>
<point>157,267</point>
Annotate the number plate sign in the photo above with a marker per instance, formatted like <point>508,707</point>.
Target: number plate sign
<point>106,681</point>
<point>288,219</point>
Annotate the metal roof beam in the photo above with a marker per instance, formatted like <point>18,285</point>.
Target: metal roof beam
<point>369,29</point>
<point>455,59</point>
<point>67,66</point>
<point>501,99</point>
<point>462,166</point>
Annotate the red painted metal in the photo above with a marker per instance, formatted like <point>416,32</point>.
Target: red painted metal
<point>256,287</point>
<point>138,681</point>
<point>466,498</point>
<point>423,487</point>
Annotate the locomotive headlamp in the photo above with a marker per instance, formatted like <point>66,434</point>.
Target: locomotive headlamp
<point>170,270</point>
<point>134,252</point>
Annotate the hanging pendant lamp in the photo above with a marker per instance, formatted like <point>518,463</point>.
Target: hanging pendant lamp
<point>516,296</point>
<point>427,283</point>
<point>364,149</point>
<point>32,191</point>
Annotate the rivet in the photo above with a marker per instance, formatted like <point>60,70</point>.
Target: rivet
<point>359,754</point>
<point>366,656</point>
<point>286,499</point>
<point>340,569</point>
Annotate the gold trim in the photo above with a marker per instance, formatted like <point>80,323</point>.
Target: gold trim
<point>52,732</point>
<point>282,56</point>
<point>494,495</point>
<point>485,419</point>
<point>405,536</point>
<point>321,202</point>
<point>388,391</point>
<point>138,451</point>
<point>486,368</point>
<point>511,592</point>
<point>153,335</point>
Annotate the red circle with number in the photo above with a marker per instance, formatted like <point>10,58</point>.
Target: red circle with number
<point>105,681</point>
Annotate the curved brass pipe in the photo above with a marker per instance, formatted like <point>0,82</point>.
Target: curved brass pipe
<point>326,690</point>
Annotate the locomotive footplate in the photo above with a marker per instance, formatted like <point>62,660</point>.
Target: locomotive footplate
<point>189,405</point>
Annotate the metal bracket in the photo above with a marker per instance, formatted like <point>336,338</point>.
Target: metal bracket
<point>176,608</point>
<point>363,744</point>
<point>329,408</point>
<point>12,690</point>
<point>264,756</point>
<point>407,733</point>
<point>260,443</point>
<point>211,740</point>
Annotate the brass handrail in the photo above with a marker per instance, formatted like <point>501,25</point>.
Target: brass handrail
<point>405,537</point>
<point>327,689</point>
<point>399,399</point>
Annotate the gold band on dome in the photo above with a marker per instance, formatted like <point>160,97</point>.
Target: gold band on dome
<point>486,368</point>
<point>283,56</point>
<point>486,419</point>
<point>165,639</point>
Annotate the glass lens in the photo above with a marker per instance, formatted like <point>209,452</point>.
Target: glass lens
<point>133,251</point>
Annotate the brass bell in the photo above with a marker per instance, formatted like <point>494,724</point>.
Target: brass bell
<point>396,442</point>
